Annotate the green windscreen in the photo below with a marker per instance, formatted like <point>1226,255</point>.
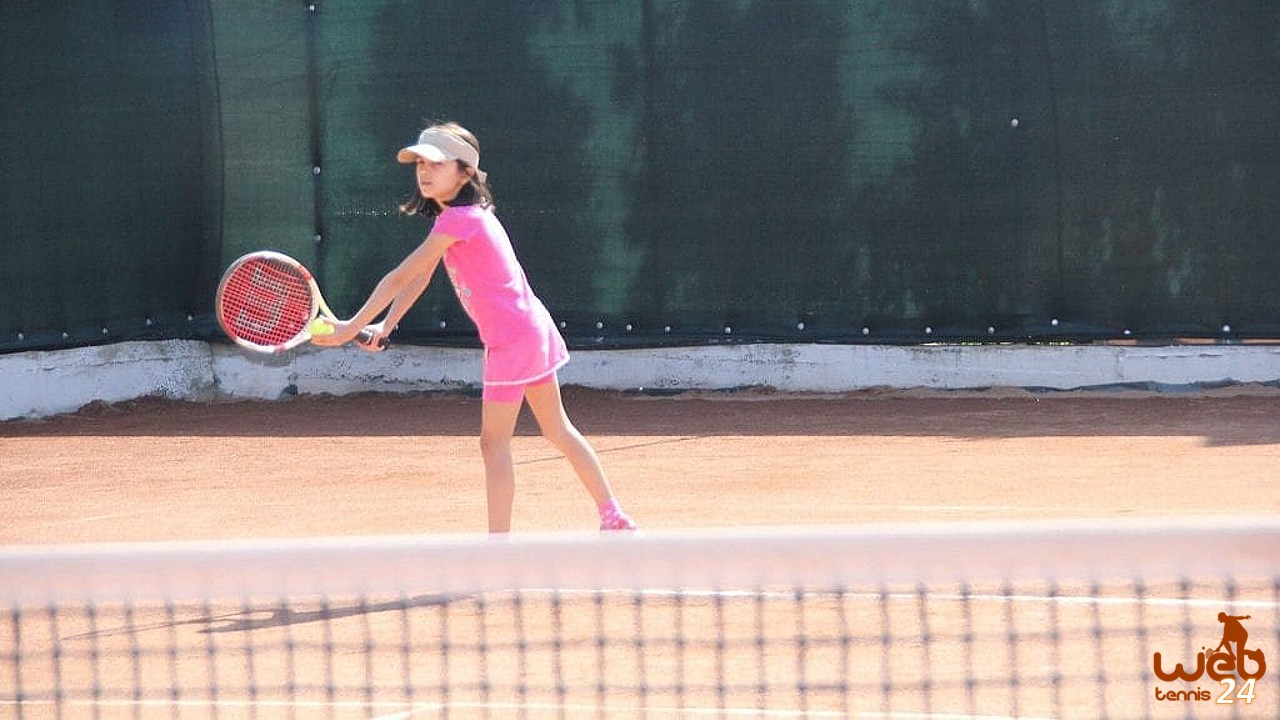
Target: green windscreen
<point>111,169</point>
<point>692,171</point>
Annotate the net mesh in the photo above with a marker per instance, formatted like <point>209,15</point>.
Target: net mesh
<point>1026,621</point>
<point>265,301</point>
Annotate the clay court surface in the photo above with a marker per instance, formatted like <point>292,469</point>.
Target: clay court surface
<point>390,464</point>
<point>409,464</point>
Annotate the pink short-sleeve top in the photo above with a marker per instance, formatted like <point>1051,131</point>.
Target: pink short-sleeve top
<point>522,344</point>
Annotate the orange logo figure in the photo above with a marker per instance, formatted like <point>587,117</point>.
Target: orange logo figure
<point>1229,659</point>
<point>1232,632</point>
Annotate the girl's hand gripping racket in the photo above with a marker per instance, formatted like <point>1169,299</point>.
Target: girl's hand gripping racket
<point>268,302</point>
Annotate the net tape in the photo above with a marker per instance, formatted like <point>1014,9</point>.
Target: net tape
<point>995,621</point>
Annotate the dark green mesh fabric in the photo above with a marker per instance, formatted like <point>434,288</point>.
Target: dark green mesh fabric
<point>670,171</point>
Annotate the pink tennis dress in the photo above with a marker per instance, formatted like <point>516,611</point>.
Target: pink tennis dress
<point>522,344</point>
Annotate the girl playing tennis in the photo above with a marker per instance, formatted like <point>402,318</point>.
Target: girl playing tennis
<point>523,348</point>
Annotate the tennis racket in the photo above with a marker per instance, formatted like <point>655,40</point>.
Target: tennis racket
<point>269,303</point>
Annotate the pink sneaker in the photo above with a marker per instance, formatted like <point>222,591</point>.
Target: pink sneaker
<point>617,521</point>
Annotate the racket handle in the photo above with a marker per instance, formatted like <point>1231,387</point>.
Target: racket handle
<point>366,337</point>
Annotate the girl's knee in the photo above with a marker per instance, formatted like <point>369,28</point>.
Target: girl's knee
<point>562,434</point>
<point>491,443</point>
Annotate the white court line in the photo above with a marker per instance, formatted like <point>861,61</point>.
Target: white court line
<point>588,710</point>
<point>686,712</point>
<point>1086,600</point>
<point>956,508</point>
<point>939,716</point>
<point>656,712</point>
<point>950,597</point>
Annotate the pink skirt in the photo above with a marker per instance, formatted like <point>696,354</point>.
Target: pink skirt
<point>526,360</point>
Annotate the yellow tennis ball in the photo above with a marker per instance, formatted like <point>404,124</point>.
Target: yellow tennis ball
<point>320,326</point>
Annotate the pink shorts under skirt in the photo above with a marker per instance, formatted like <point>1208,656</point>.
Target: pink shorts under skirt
<point>512,393</point>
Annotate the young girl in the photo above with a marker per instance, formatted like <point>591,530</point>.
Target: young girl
<point>523,348</point>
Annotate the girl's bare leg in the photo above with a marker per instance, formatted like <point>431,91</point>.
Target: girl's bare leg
<point>497,426</point>
<point>548,408</point>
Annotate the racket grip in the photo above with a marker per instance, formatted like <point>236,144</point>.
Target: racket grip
<point>366,337</point>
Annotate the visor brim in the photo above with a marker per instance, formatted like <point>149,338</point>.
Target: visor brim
<point>432,153</point>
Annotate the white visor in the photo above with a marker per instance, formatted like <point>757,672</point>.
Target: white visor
<point>438,146</point>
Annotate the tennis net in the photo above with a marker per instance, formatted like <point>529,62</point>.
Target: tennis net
<point>994,621</point>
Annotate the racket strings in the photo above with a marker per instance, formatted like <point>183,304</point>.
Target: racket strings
<point>266,302</point>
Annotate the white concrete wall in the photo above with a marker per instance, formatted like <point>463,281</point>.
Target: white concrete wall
<point>37,384</point>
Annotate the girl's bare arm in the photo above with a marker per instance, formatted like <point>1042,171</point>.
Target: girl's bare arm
<point>398,289</point>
